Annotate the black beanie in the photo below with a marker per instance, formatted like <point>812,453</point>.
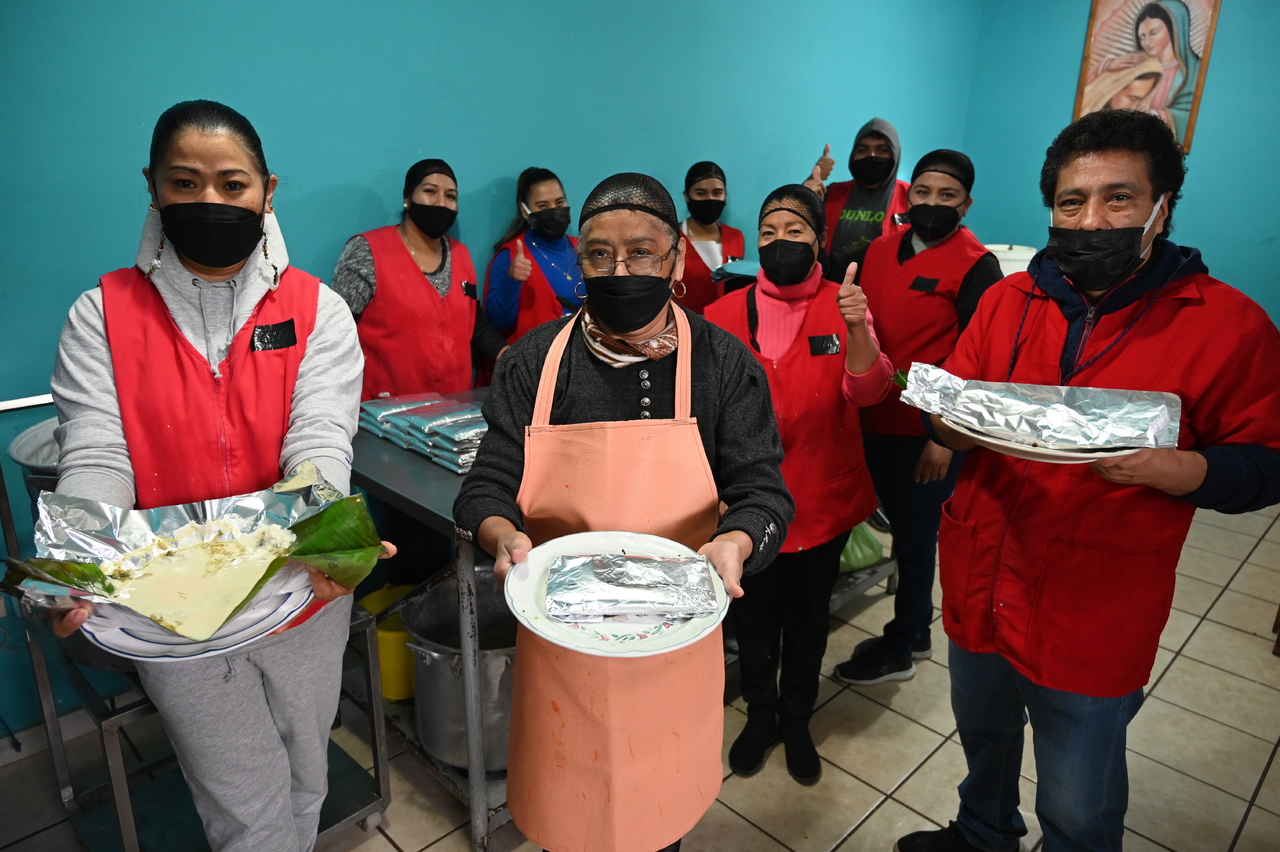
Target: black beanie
<point>421,169</point>
<point>947,162</point>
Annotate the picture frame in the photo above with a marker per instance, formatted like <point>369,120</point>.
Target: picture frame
<point>1150,55</point>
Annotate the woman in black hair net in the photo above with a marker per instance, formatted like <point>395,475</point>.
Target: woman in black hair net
<point>412,290</point>
<point>647,419</point>
<point>814,340</point>
<point>708,242</point>
<point>923,286</point>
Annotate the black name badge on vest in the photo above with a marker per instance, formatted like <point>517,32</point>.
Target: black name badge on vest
<point>826,344</point>
<point>279,335</point>
<point>925,285</point>
<point>469,290</point>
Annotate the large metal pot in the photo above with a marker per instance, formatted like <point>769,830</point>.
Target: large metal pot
<point>432,620</point>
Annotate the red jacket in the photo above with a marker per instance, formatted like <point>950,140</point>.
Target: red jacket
<point>414,340</point>
<point>1067,575</point>
<point>192,436</point>
<point>700,290</point>
<point>538,302</point>
<point>823,462</point>
<point>914,307</point>
<point>838,196</point>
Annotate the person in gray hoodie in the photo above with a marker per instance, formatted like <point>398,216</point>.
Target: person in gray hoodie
<point>859,210</point>
<point>167,387</point>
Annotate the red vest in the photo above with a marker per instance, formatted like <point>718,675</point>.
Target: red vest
<point>1069,576</point>
<point>192,436</point>
<point>915,315</point>
<point>700,290</point>
<point>838,196</point>
<point>823,463</point>
<point>414,340</point>
<point>538,302</point>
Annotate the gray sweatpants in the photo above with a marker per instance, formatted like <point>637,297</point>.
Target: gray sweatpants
<point>251,732</point>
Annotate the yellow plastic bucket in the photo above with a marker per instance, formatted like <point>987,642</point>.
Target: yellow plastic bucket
<point>394,655</point>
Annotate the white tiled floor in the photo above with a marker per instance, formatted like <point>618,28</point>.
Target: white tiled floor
<point>1204,774</point>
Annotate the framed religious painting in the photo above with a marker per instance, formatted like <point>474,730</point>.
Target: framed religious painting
<point>1149,55</point>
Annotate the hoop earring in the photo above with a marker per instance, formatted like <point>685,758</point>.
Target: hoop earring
<point>683,289</point>
<point>579,290</point>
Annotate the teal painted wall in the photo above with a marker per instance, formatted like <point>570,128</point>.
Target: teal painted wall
<point>1022,94</point>
<point>346,96</point>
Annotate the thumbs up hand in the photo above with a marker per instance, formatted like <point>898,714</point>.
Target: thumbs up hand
<point>826,163</point>
<point>521,267</point>
<point>852,301</point>
<point>815,183</point>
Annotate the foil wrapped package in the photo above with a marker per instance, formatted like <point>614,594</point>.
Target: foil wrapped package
<point>597,586</point>
<point>1050,416</point>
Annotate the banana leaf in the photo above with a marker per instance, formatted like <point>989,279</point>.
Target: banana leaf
<point>340,540</point>
<point>84,576</point>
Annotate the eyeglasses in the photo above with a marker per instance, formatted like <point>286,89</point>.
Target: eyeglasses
<point>637,264</point>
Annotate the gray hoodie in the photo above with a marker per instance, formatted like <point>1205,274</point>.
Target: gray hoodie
<point>94,459</point>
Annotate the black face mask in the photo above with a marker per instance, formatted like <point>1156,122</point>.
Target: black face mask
<point>213,235</point>
<point>871,171</point>
<point>786,262</point>
<point>932,222</point>
<point>1096,260</point>
<point>705,210</point>
<point>551,223</point>
<point>625,303</point>
<point>432,219</point>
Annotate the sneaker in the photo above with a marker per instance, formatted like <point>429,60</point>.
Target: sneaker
<point>803,763</point>
<point>922,648</point>
<point>948,839</point>
<point>749,750</point>
<point>872,663</point>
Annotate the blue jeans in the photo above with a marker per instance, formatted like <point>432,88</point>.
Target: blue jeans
<point>1083,787</point>
<point>914,511</point>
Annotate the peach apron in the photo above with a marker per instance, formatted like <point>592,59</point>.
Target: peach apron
<point>610,754</point>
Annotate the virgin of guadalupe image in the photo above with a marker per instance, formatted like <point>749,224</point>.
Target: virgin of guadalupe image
<point>1149,62</point>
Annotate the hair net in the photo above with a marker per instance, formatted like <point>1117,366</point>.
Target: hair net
<point>631,191</point>
<point>947,162</point>
<point>800,200</point>
<point>421,169</point>
<point>702,171</point>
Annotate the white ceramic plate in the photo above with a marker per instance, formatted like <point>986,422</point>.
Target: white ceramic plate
<point>526,591</point>
<point>1042,454</point>
<point>124,632</point>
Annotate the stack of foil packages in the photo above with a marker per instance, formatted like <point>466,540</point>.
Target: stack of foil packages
<point>1050,416</point>
<point>604,585</point>
<point>444,430</point>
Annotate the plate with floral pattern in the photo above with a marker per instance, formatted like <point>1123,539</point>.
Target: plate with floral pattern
<point>620,636</point>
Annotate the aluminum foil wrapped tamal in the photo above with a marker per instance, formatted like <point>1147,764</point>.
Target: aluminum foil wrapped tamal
<point>597,586</point>
<point>1050,416</point>
<point>190,568</point>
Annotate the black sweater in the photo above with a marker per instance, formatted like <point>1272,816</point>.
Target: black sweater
<point>731,402</point>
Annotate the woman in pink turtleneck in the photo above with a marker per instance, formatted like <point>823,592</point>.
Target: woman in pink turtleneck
<point>815,341</point>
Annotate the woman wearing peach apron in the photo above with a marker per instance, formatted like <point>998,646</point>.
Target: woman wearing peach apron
<point>593,427</point>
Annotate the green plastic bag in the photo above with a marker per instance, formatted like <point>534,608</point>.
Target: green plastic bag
<point>862,550</point>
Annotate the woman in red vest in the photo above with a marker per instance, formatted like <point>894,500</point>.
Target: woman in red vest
<point>412,290</point>
<point>923,285</point>
<point>708,242</point>
<point>211,368</point>
<point>814,339</point>
<point>534,276</point>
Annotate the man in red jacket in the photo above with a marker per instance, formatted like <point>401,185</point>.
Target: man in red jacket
<point>1058,579</point>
